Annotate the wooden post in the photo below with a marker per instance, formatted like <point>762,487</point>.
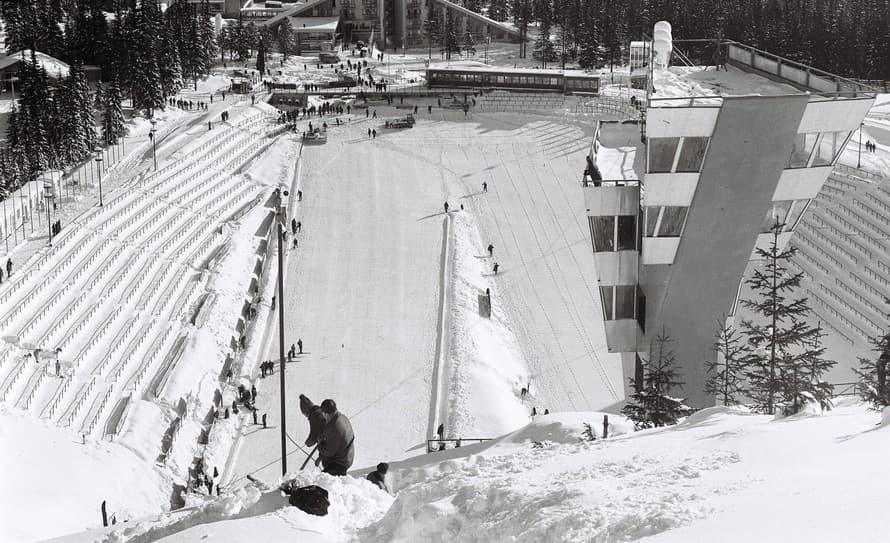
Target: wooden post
<point>104,515</point>
<point>605,426</point>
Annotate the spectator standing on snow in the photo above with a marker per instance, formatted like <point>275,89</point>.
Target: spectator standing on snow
<point>9,267</point>
<point>254,416</point>
<point>374,134</point>
<point>490,249</point>
<point>300,345</point>
<point>375,114</point>
<point>1,276</point>
<point>264,420</point>
<point>495,268</point>
<point>335,449</point>
<point>484,186</point>
<point>446,207</point>
<point>252,393</point>
<point>378,477</point>
<point>293,225</point>
<point>369,132</point>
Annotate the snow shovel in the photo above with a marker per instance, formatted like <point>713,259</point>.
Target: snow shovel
<point>308,458</point>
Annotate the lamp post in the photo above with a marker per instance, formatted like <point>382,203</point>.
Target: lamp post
<point>48,190</point>
<point>151,136</point>
<point>279,225</point>
<point>99,168</point>
<point>859,154</point>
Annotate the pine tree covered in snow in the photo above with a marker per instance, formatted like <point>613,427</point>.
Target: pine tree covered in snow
<point>804,383</point>
<point>589,434</point>
<point>146,75</point>
<point>874,374</point>
<point>784,345</point>
<point>261,57</point>
<point>727,379</point>
<point>652,405</point>
<point>113,122</point>
<point>170,65</point>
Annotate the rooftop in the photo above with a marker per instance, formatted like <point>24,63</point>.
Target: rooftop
<point>314,24</point>
<point>619,153</point>
<point>707,82</point>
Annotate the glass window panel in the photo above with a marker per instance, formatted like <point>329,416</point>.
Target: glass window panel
<point>554,81</point>
<point>624,301</point>
<point>797,212</point>
<point>829,147</point>
<point>652,220</point>
<point>800,152</point>
<point>778,210</point>
<point>602,232</point>
<point>672,221</point>
<point>691,154</point>
<point>606,297</point>
<point>661,154</point>
<point>641,309</point>
<point>627,233</point>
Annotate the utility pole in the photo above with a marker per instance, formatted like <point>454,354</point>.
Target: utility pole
<point>859,154</point>
<point>279,226</point>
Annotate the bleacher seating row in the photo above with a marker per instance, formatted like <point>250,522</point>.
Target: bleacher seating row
<point>845,252</point>
<point>114,328</point>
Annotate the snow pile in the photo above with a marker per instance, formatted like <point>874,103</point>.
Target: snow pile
<point>721,471</point>
<point>35,484</point>
<point>487,367</point>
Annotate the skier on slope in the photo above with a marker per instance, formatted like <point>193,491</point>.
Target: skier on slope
<point>495,268</point>
<point>490,249</point>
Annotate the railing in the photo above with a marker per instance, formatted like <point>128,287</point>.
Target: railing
<point>825,83</point>
<point>846,389</point>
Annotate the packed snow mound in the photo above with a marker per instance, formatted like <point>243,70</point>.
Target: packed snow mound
<point>256,512</point>
<point>568,427</point>
<point>723,474</point>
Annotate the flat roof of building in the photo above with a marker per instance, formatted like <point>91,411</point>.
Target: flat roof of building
<point>621,153</point>
<point>474,66</point>
<point>701,81</point>
<point>314,24</point>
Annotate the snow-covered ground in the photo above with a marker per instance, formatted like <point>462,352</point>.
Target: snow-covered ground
<point>722,474</point>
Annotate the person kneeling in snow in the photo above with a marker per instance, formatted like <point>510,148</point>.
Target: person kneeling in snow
<point>378,477</point>
<point>335,448</point>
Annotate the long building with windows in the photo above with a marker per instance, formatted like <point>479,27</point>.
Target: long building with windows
<point>678,203</point>
<point>390,24</point>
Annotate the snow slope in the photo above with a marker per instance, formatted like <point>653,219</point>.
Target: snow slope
<point>721,474</point>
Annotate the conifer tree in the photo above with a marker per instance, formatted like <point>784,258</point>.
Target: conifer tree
<point>543,44</point>
<point>874,374</point>
<point>497,10</point>
<point>261,57</point>
<point>652,405</point>
<point>432,29</point>
<point>285,37</point>
<point>783,343</point>
<point>146,75</point>
<point>170,66</point>
<point>113,122</point>
<point>469,43</point>
<point>727,379</point>
<point>589,37</point>
<point>451,45</point>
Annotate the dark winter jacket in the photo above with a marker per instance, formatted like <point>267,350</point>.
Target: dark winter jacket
<point>378,479</point>
<point>336,444</point>
<point>317,420</point>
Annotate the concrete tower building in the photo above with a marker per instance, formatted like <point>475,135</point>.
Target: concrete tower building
<point>677,204</point>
